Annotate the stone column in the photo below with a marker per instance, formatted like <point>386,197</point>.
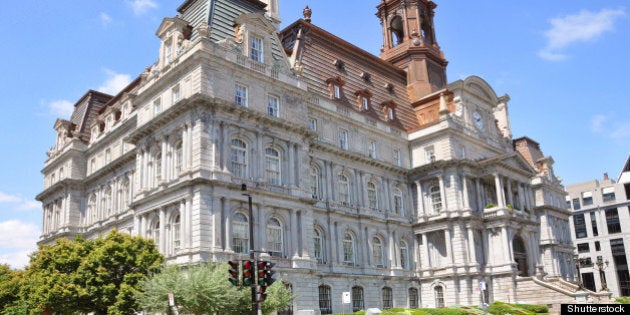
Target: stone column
<point>419,201</point>
<point>498,183</point>
<point>294,234</point>
<point>465,200</point>
<point>290,165</point>
<point>162,243</point>
<point>471,245</point>
<point>445,204</point>
<point>426,261</point>
<point>509,197</point>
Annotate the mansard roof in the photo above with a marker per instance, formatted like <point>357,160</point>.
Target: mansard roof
<point>322,56</point>
<point>219,15</point>
<point>86,112</point>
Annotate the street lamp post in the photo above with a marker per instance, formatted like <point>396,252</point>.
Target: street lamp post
<point>602,277</point>
<point>252,257</point>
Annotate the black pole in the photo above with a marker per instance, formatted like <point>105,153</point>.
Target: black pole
<point>251,249</point>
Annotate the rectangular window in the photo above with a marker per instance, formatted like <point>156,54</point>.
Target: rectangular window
<point>589,281</point>
<point>397,158</point>
<point>312,124</point>
<point>175,94</point>
<point>608,194</point>
<point>365,103</point>
<point>257,53</point>
<point>273,106</point>
<point>612,221</point>
<point>568,204</point>
<point>576,204</point>
<point>168,51</point>
<point>429,154</point>
<point>343,139</point>
<point>594,224</point>
<point>579,225</point>
<point>372,149</point>
<point>157,106</point>
<point>240,95</point>
<point>325,305</point>
<point>337,91</point>
<point>587,198</point>
<point>597,246</point>
<point>583,248</point>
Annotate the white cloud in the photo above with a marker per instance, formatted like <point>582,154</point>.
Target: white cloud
<point>115,82</point>
<point>140,7</point>
<point>105,19</point>
<point>61,108</point>
<point>29,205</point>
<point>584,26</point>
<point>17,259</point>
<point>613,126</point>
<point>9,198</point>
<point>19,203</point>
<point>18,235</point>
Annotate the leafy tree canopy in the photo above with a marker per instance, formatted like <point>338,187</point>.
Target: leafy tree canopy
<point>99,276</point>
<point>204,289</point>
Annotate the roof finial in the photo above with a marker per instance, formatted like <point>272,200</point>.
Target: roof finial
<point>307,14</point>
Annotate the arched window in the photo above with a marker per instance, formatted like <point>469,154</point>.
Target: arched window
<point>372,196</point>
<point>315,181</point>
<point>107,201</point>
<point>179,157</point>
<point>126,194</point>
<point>357,298</point>
<point>398,202</point>
<point>387,298</point>
<point>436,198</point>
<point>404,256</point>
<point>176,233</point>
<point>439,296</point>
<point>240,234</point>
<point>274,237</point>
<point>272,166</point>
<point>319,246</point>
<point>238,158</point>
<point>325,305</point>
<point>91,209</point>
<point>348,249</point>
<point>396,27</point>
<point>377,252</point>
<point>344,189</point>
<point>157,157</point>
<point>413,298</point>
<point>154,232</point>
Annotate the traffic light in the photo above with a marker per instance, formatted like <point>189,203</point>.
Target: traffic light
<point>233,272</point>
<point>260,293</point>
<point>248,272</point>
<point>265,274</point>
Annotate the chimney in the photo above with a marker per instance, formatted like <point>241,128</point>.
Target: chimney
<point>605,176</point>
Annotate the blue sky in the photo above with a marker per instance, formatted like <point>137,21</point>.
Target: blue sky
<point>563,63</point>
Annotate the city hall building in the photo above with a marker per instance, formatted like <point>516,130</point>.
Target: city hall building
<point>368,174</point>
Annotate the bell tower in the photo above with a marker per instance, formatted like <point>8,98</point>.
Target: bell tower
<point>409,43</point>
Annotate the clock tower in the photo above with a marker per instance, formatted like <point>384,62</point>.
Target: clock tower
<point>409,43</point>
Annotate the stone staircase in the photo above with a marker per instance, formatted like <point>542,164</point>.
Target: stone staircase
<point>555,291</point>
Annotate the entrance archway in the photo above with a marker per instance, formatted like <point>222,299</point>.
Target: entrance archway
<point>520,256</point>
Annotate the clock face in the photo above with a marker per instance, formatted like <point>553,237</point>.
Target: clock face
<point>477,119</point>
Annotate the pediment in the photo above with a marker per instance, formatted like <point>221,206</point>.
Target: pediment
<point>479,87</point>
<point>169,24</point>
<point>517,162</point>
<point>256,20</point>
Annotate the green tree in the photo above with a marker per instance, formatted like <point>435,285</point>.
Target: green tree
<point>9,285</point>
<point>81,276</point>
<point>204,289</point>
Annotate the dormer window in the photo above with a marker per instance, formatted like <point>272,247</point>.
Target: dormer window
<point>363,99</point>
<point>389,110</point>
<point>367,78</point>
<point>335,86</point>
<point>256,49</point>
<point>168,51</point>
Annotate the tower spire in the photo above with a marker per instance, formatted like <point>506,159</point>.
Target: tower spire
<point>409,42</point>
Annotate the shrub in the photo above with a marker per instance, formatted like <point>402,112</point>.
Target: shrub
<point>623,299</point>
<point>535,308</point>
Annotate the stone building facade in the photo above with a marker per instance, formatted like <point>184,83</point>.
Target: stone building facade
<point>599,227</point>
<point>370,175</point>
